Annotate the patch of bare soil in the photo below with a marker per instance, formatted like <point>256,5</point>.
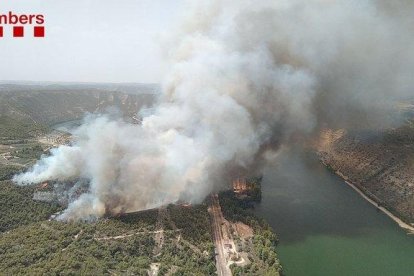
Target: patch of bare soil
<point>243,230</point>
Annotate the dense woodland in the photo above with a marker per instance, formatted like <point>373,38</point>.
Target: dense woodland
<point>130,244</point>
<point>32,245</point>
<point>17,207</point>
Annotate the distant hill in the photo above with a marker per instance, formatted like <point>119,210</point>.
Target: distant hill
<point>129,88</point>
<point>48,104</point>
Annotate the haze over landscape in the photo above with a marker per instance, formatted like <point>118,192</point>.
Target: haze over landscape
<point>145,131</point>
<point>281,81</point>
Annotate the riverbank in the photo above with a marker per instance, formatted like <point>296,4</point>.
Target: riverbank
<point>378,163</point>
<point>326,228</point>
<point>409,228</point>
<point>401,223</point>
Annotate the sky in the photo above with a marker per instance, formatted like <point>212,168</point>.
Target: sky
<point>90,40</point>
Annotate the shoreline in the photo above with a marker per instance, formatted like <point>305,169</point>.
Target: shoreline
<point>407,227</point>
<point>396,219</point>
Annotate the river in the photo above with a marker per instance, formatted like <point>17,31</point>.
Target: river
<point>67,126</point>
<point>325,227</point>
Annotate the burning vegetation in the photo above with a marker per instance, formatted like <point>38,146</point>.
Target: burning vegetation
<point>248,188</point>
<point>244,80</point>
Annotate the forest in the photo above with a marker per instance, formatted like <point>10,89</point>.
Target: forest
<point>172,240</point>
<point>261,247</point>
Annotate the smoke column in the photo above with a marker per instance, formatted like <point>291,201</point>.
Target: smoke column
<point>245,77</point>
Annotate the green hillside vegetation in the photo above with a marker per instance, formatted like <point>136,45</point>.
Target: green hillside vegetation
<point>18,128</point>
<point>17,207</point>
<point>121,245</point>
<point>191,253</point>
<point>29,151</point>
<point>262,247</point>
<point>255,188</point>
<point>51,106</point>
<point>7,172</point>
<point>30,244</point>
<point>175,240</point>
<point>18,146</point>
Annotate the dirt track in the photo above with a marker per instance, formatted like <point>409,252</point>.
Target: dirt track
<point>217,220</point>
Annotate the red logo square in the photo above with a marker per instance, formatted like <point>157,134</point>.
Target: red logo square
<point>18,31</point>
<point>1,31</point>
<point>39,31</point>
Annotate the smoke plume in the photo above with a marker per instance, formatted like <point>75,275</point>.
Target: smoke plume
<point>245,78</point>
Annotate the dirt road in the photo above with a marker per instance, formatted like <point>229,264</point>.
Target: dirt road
<point>217,219</point>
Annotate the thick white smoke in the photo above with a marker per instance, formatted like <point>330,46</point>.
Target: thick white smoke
<point>245,75</point>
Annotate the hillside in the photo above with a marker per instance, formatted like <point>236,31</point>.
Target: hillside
<point>52,104</point>
<point>379,163</point>
<point>27,111</point>
<point>171,240</point>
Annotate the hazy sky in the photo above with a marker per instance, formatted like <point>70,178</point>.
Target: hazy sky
<point>89,40</point>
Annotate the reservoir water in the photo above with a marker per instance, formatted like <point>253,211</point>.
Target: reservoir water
<point>67,126</point>
<point>325,227</point>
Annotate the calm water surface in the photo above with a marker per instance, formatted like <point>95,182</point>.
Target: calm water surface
<point>68,126</point>
<point>325,227</point>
